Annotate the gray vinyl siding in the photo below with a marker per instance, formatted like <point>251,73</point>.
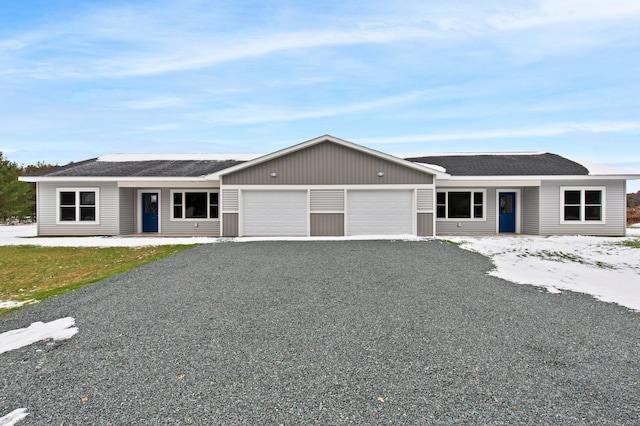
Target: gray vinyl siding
<point>615,209</point>
<point>327,200</point>
<point>230,201</point>
<point>425,225</point>
<point>531,210</point>
<point>470,227</point>
<point>108,210</point>
<point>230,224</point>
<point>327,163</point>
<point>327,224</point>
<point>184,227</point>
<point>127,211</point>
<point>425,200</point>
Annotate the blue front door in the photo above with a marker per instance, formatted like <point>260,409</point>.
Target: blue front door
<point>507,208</point>
<point>150,212</point>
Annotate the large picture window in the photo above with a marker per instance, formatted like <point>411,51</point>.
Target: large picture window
<point>582,204</point>
<point>77,205</point>
<point>195,205</point>
<point>460,205</point>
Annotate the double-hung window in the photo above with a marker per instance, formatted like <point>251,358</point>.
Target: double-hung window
<point>78,205</point>
<point>195,205</point>
<point>582,204</point>
<point>457,204</point>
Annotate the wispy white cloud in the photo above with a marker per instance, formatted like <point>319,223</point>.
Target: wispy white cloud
<point>153,103</point>
<point>542,131</point>
<point>135,41</point>
<point>253,114</point>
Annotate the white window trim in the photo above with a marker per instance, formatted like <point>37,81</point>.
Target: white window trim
<point>458,219</point>
<point>78,222</point>
<point>582,189</point>
<point>201,219</point>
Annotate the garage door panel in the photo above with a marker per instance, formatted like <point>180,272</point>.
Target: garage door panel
<point>274,213</point>
<point>380,212</point>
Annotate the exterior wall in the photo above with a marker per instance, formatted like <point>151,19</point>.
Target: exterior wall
<point>425,224</point>
<point>184,227</point>
<point>108,210</point>
<point>327,224</point>
<point>230,225</point>
<point>470,227</point>
<point>531,210</point>
<point>327,163</point>
<point>615,209</point>
<point>127,211</point>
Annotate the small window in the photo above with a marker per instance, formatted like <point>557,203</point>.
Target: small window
<point>77,205</point>
<point>582,205</point>
<point>460,205</point>
<point>214,205</point>
<point>195,205</point>
<point>441,204</point>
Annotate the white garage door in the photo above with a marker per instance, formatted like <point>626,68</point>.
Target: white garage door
<point>274,213</point>
<point>380,212</point>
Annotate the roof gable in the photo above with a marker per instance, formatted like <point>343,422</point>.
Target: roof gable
<point>332,140</point>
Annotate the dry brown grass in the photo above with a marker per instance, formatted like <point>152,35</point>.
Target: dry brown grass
<point>633,216</point>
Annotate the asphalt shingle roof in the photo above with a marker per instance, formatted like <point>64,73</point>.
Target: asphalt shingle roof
<point>153,168</point>
<point>455,165</point>
<point>504,164</point>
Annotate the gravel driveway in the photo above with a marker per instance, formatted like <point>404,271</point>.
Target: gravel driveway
<point>353,332</point>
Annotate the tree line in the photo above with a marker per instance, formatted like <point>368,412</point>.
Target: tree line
<point>17,199</point>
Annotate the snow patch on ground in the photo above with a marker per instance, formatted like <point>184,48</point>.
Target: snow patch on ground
<point>13,417</point>
<point>18,235</point>
<point>600,266</point>
<point>60,329</point>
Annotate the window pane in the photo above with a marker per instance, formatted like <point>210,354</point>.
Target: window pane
<point>67,198</point>
<point>572,197</point>
<point>177,212</point>
<point>88,214</point>
<point>213,212</point>
<point>506,203</point>
<point>442,198</point>
<point>477,198</point>
<point>68,214</point>
<point>593,197</point>
<point>177,198</point>
<point>195,205</point>
<point>477,212</point>
<point>441,210</point>
<point>572,213</point>
<point>88,198</point>
<point>460,205</point>
<point>213,198</point>
<point>593,213</point>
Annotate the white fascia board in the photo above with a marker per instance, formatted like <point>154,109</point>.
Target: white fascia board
<point>481,183</point>
<point>36,179</point>
<point>335,140</point>
<point>477,181</point>
<point>170,184</point>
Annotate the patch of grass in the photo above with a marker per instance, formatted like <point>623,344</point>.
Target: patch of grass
<point>32,272</point>
<point>560,256</point>
<point>635,243</point>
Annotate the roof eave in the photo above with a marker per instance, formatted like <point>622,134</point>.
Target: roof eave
<point>36,179</point>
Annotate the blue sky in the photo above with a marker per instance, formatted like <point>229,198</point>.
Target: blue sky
<point>79,79</point>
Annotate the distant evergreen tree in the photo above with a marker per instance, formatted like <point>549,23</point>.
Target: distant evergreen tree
<point>16,198</point>
<point>633,200</point>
